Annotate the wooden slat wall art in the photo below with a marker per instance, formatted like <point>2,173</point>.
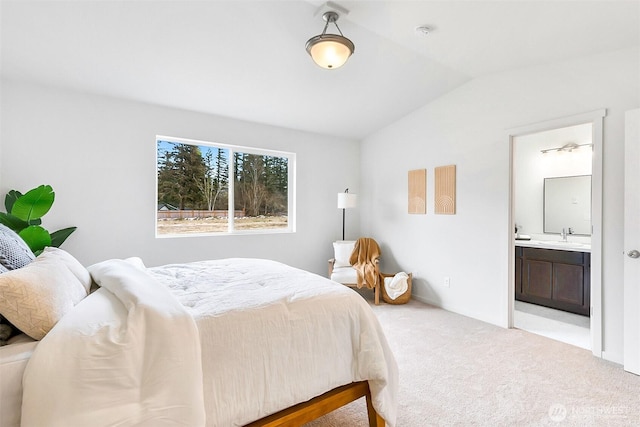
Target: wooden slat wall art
<point>418,191</point>
<point>445,190</point>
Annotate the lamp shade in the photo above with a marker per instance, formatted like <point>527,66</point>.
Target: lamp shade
<point>347,200</point>
<point>330,50</point>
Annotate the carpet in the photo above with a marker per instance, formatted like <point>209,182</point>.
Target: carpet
<point>457,371</point>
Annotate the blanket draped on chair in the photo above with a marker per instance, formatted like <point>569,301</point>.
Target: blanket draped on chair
<point>365,255</point>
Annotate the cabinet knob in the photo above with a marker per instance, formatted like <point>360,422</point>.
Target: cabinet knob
<point>633,254</point>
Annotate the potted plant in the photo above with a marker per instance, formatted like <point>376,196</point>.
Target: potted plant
<point>24,216</point>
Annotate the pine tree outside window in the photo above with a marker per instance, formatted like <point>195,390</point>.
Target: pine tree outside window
<point>200,183</point>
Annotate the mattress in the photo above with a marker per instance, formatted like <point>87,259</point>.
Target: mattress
<point>13,360</point>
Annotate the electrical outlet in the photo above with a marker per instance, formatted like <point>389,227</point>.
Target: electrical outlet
<point>414,274</point>
<point>447,282</point>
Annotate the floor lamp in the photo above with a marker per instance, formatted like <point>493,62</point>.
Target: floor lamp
<point>346,201</point>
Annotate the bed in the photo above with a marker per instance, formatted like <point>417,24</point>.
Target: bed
<point>219,343</point>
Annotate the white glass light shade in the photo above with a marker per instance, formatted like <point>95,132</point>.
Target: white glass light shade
<point>347,200</point>
<point>330,51</point>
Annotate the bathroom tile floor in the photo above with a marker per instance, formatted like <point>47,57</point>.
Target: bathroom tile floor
<point>555,324</point>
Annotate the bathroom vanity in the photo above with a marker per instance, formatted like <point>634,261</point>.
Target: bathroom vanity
<point>554,274</point>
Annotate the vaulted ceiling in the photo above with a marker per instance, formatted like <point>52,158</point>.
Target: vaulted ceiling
<point>246,59</point>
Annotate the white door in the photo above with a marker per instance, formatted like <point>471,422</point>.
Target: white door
<point>632,242</point>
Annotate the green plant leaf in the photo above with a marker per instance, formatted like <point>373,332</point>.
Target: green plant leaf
<point>16,224</point>
<point>58,237</point>
<point>34,203</point>
<point>10,199</point>
<point>24,213</point>
<point>36,237</point>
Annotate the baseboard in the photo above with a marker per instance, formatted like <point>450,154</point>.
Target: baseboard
<point>424,300</point>
<point>616,358</point>
<point>456,310</point>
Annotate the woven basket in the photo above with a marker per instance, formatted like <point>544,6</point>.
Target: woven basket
<point>402,299</point>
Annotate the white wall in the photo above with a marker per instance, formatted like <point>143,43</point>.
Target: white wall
<point>98,153</point>
<point>467,127</point>
<point>531,167</point>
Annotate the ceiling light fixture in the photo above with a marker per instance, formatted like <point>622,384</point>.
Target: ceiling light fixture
<point>568,147</point>
<point>330,51</point>
<point>423,30</point>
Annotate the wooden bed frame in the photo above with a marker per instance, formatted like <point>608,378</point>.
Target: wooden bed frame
<point>318,406</point>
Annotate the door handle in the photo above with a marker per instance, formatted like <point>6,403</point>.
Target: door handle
<point>633,254</point>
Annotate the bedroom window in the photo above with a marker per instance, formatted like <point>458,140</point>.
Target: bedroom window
<point>200,183</point>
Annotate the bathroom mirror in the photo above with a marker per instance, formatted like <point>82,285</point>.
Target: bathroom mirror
<point>567,204</point>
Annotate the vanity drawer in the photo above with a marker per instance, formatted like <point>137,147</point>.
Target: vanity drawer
<point>553,255</point>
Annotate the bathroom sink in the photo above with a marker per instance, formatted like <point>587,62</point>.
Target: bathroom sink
<point>574,244</point>
<point>551,244</point>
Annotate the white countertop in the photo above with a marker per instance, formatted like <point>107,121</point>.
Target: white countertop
<point>557,245</point>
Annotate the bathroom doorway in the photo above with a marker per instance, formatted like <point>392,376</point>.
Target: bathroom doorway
<point>555,219</point>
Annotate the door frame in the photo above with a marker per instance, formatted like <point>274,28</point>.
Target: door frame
<point>631,319</point>
<point>596,118</point>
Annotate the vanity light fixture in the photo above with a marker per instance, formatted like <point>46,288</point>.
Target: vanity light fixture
<point>330,51</point>
<point>569,147</point>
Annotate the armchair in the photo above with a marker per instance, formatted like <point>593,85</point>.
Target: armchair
<point>341,270</point>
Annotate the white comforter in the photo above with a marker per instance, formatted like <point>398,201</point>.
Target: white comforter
<point>128,354</point>
<point>270,336</point>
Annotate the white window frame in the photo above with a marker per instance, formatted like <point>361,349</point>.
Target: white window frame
<point>291,187</point>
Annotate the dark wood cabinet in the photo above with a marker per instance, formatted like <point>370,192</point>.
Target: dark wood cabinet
<point>554,278</point>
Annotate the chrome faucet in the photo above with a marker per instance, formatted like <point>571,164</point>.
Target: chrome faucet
<point>566,232</point>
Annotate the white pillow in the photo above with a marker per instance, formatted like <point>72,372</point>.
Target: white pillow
<point>35,297</point>
<point>136,262</point>
<point>342,251</point>
<point>72,264</point>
